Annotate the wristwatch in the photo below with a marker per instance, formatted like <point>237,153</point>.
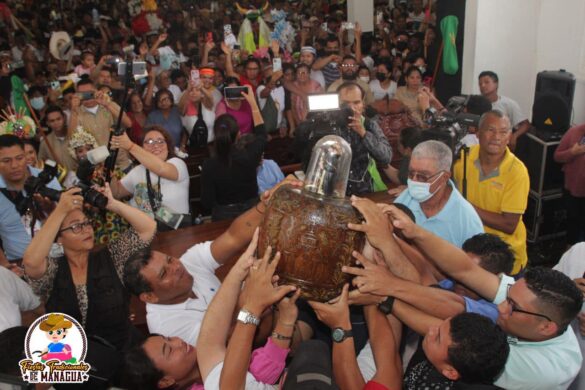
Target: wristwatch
<point>339,334</point>
<point>245,317</point>
<point>386,306</point>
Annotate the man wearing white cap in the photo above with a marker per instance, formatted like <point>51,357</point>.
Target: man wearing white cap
<point>308,56</point>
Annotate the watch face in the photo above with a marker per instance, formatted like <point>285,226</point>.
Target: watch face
<point>337,335</point>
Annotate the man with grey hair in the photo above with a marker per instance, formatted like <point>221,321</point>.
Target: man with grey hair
<point>431,195</point>
<point>497,184</point>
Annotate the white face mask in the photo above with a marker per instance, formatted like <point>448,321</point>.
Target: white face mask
<point>421,192</point>
<point>365,79</point>
<point>37,103</point>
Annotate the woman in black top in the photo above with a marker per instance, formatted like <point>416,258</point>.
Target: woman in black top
<point>228,180</point>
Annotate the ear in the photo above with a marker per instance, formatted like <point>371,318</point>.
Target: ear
<point>166,382</point>
<point>450,372</point>
<point>148,297</point>
<point>548,329</point>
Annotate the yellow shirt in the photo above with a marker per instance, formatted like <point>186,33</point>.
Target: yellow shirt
<point>503,191</point>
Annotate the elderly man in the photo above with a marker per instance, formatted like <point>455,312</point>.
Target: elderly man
<point>308,57</point>
<point>497,184</point>
<point>433,198</point>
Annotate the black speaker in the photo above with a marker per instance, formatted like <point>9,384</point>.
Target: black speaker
<point>546,176</point>
<point>545,216</point>
<point>553,101</point>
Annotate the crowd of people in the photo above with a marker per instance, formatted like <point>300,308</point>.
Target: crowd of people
<point>443,295</point>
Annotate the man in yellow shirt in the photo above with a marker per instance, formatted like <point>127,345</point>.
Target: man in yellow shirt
<point>497,184</point>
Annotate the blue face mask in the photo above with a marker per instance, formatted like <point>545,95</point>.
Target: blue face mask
<point>166,61</point>
<point>37,103</point>
<point>421,192</point>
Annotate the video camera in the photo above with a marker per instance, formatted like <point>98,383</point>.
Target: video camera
<point>451,125</point>
<point>325,110</point>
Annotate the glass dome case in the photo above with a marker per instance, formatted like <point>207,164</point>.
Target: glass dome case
<point>328,170</point>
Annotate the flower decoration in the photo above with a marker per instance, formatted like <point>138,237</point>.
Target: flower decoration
<point>18,124</point>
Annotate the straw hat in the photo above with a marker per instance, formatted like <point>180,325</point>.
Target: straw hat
<point>55,321</point>
<point>60,45</point>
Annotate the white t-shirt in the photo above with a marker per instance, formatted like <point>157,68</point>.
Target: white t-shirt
<point>277,95</point>
<point>212,381</point>
<point>510,108</point>
<point>175,194</point>
<point>379,92</point>
<point>317,75</point>
<point>184,319</point>
<point>15,296</point>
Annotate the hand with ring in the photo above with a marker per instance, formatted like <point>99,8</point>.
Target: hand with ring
<point>70,200</point>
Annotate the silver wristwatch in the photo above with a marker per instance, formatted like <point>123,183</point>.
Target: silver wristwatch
<point>245,317</point>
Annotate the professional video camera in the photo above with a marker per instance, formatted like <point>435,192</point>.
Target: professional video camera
<point>325,117</point>
<point>451,125</point>
<point>84,174</point>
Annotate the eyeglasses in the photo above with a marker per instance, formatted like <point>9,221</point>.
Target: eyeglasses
<point>412,175</point>
<point>302,72</point>
<point>164,99</point>
<point>155,141</point>
<point>514,307</point>
<point>348,65</point>
<point>76,228</point>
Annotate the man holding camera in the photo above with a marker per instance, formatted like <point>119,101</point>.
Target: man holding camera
<point>96,113</point>
<point>497,184</point>
<point>365,137</point>
<point>15,221</point>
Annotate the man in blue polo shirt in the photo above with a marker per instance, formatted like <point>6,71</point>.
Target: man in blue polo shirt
<point>15,230</point>
<point>433,198</point>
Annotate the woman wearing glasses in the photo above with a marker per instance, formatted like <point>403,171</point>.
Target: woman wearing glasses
<point>158,186</point>
<point>86,283</point>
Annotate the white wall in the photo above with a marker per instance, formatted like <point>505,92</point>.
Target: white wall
<point>517,39</point>
<point>361,11</point>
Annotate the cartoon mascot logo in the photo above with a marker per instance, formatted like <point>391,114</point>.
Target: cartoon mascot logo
<point>55,347</point>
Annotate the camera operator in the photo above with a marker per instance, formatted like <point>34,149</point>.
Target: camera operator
<point>87,283</point>
<point>15,228</point>
<point>364,136</point>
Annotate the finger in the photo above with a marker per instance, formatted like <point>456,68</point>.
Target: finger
<point>253,244</point>
<point>266,258</point>
<point>353,270</point>
<point>274,263</point>
<point>295,296</point>
<point>362,259</point>
<point>358,227</point>
<point>344,294</point>
<point>282,291</point>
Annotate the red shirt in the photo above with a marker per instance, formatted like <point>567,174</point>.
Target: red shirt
<point>573,166</point>
<point>244,81</point>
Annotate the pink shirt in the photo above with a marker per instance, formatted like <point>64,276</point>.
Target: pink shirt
<point>266,364</point>
<point>243,116</point>
<point>573,166</point>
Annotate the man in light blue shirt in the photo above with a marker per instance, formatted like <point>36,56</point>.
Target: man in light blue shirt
<point>434,200</point>
<point>13,173</point>
<point>534,311</point>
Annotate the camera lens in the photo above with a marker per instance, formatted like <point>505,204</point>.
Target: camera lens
<point>95,198</point>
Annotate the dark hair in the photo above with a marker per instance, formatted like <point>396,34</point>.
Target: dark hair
<point>331,38</point>
<point>176,74</point>
<point>490,74</point>
<point>133,279</point>
<point>52,109</point>
<point>225,129</point>
<point>85,81</point>
<point>12,345</point>
<point>28,141</point>
<point>10,140</point>
<point>232,80</point>
<point>129,104</point>
<point>348,57</point>
<point>349,85</point>
<point>478,105</point>
<point>86,53</point>
<point>556,294</point>
<point>302,65</point>
<point>409,137</point>
<point>413,69</point>
<point>479,350</point>
<point>406,210</point>
<point>139,371</point>
<point>166,136</point>
<point>163,91</point>
<point>495,254</point>
<point>254,60</point>
<point>36,88</point>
